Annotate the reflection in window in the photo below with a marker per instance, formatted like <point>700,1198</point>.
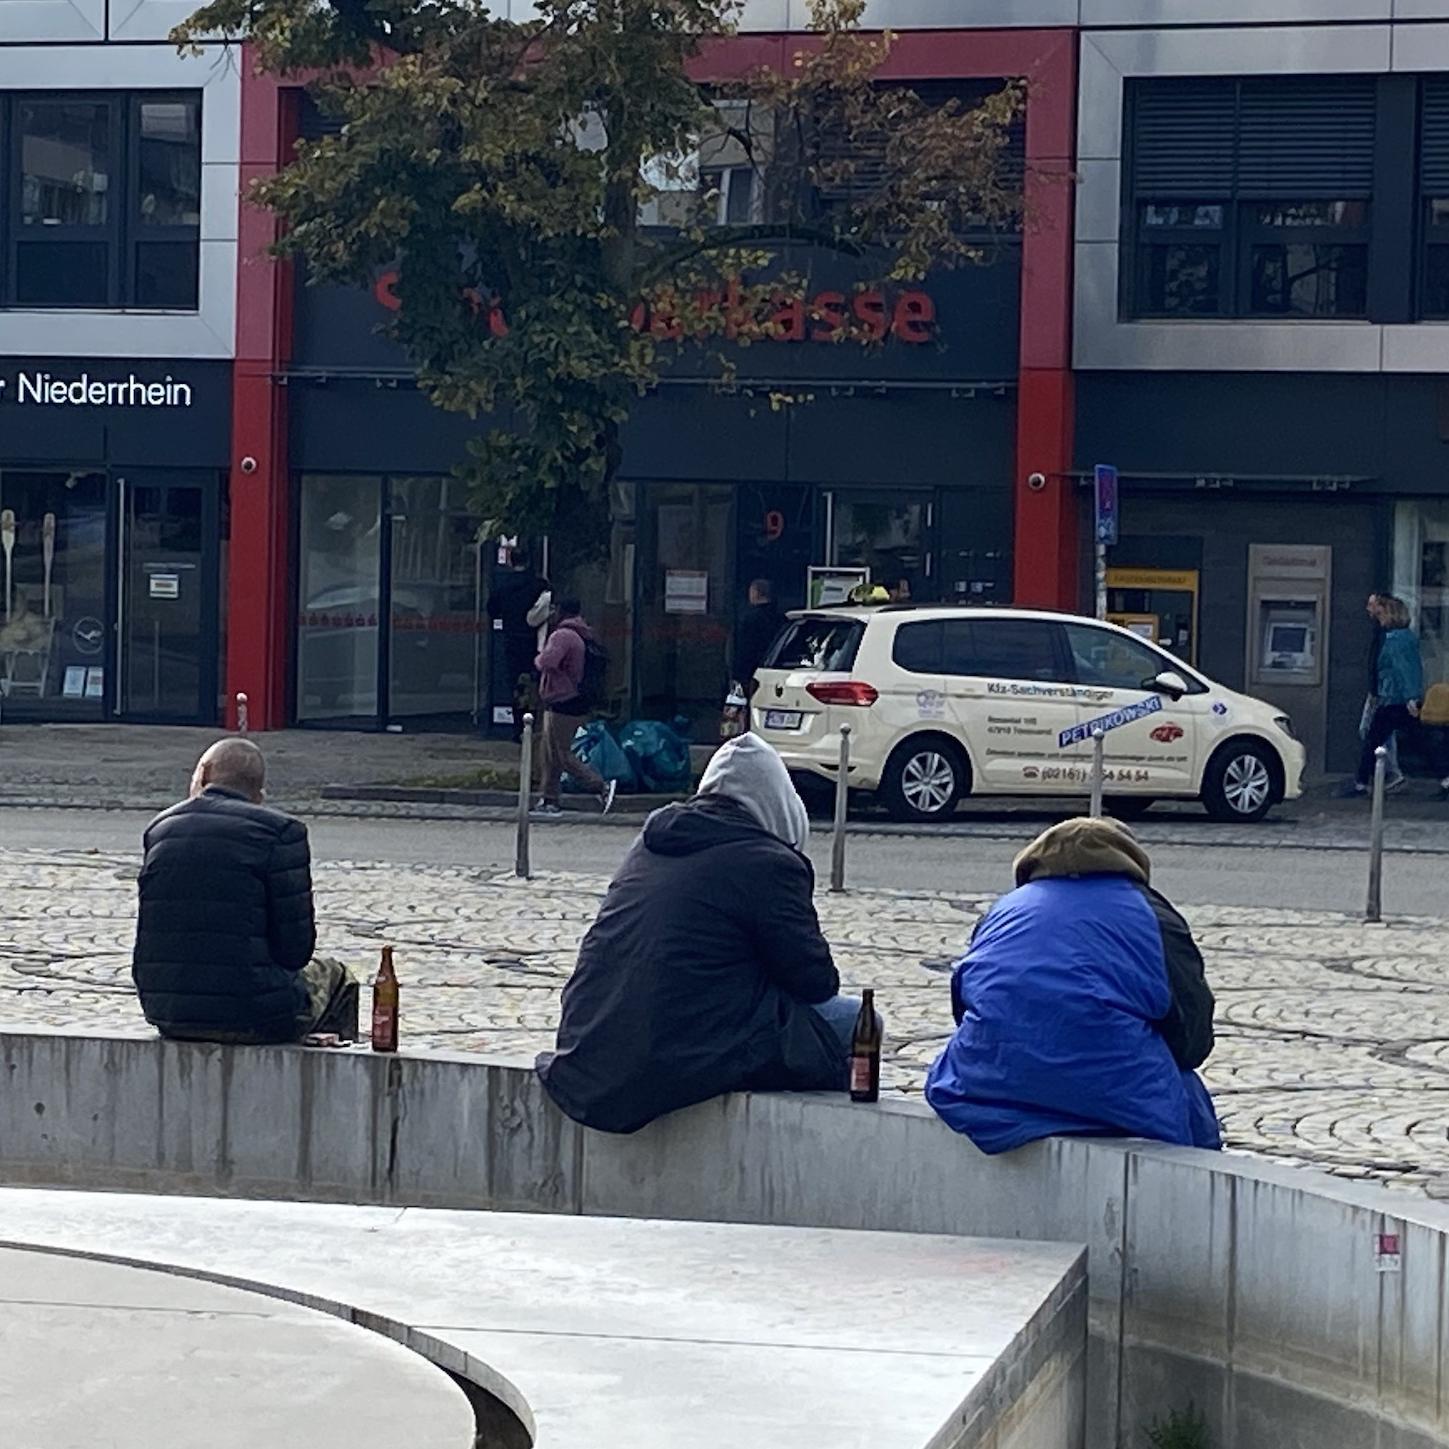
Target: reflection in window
<point>1108,660</point>
<point>340,568</point>
<point>64,163</point>
<point>169,172</point>
<point>52,629</point>
<point>1308,280</point>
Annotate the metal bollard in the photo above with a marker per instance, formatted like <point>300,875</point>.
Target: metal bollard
<point>1099,744</point>
<point>1375,910</point>
<point>521,867</point>
<point>842,799</point>
<point>241,713</point>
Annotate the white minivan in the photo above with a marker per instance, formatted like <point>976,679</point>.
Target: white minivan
<point>947,702</point>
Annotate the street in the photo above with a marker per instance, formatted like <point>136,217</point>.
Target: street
<point>1201,873</point>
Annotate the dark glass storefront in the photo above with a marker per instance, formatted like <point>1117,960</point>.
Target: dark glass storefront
<point>111,539</point>
<point>896,459</point>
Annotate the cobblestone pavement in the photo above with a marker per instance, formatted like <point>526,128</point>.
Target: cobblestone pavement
<point>1333,1036</point>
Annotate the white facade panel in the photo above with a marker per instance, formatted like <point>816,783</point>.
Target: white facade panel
<point>51,20</point>
<point>1420,347</point>
<point>1099,200</point>
<point>209,332</point>
<point>1230,12</point>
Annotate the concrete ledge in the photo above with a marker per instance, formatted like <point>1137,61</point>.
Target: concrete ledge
<point>1254,1291</point>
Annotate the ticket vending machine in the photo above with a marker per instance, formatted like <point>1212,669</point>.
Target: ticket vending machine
<point>1288,599</point>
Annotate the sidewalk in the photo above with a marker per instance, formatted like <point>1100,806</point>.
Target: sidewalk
<point>324,772</point>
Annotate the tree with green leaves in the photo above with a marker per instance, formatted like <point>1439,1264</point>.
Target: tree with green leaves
<point>568,201</point>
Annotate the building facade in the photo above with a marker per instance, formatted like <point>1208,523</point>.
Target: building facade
<point>1259,336</point>
<point>901,461</point>
<point>1233,284</point>
<point>118,211</point>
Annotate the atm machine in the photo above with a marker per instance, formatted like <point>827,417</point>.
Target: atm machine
<point>1289,587</point>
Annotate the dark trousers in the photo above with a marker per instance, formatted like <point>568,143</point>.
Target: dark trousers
<point>559,758</point>
<point>519,651</point>
<point>1388,719</point>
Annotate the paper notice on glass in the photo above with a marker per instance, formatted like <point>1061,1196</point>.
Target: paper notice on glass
<point>75,681</point>
<point>95,683</point>
<point>686,591</point>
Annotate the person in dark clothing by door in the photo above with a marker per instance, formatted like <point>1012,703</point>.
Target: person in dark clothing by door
<point>226,930</point>
<point>515,603</point>
<point>705,970</point>
<point>757,629</point>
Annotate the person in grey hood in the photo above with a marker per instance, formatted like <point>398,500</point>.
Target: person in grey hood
<point>705,971</point>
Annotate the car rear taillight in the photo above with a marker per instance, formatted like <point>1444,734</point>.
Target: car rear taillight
<point>849,691</point>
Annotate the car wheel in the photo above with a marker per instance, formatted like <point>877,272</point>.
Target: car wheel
<point>923,781</point>
<point>1241,782</point>
<point>1128,807</point>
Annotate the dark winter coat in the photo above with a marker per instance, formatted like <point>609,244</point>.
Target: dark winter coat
<point>226,919</point>
<point>515,593</point>
<point>756,632</point>
<point>697,976</point>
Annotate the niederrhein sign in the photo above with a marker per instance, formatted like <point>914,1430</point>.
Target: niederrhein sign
<point>82,390</point>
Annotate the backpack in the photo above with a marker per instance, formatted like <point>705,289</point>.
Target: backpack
<point>595,678</point>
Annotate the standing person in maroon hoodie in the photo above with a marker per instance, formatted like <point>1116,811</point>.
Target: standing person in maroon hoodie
<point>562,667</point>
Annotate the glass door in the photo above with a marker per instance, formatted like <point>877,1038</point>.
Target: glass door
<point>166,642</point>
<point>891,534</point>
<point>53,594</point>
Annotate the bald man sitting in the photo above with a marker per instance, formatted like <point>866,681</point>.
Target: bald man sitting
<point>226,931</point>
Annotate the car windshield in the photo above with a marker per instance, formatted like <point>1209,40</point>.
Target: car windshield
<point>828,645</point>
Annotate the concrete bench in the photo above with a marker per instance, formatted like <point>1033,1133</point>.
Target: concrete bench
<point>1296,1311</point>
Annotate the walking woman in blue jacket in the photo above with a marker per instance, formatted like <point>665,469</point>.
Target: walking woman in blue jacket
<point>1400,687</point>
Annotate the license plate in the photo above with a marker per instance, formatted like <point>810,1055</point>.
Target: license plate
<point>782,719</point>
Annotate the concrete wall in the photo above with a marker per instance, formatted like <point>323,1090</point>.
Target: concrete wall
<point>1250,1290</point>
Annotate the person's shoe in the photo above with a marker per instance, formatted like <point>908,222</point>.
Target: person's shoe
<point>611,788</point>
<point>546,810</point>
<point>1444,789</point>
<point>1393,786</point>
<point>1351,790</point>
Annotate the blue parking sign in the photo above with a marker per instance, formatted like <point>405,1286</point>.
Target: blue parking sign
<point>1105,479</point>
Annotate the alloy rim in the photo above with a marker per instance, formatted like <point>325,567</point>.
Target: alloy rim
<point>929,782</point>
<point>1246,784</point>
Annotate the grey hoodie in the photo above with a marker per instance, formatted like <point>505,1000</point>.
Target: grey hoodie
<point>752,774</point>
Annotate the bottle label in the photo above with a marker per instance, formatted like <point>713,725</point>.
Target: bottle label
<point>860,1074</point>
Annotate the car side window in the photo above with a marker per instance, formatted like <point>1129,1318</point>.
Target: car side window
<point>1108,660</point>
<point>917,647</point>
<point>1024,649</point>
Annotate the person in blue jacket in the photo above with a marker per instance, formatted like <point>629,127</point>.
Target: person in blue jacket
<point>1082,1006</point>
<point>1400,688</point>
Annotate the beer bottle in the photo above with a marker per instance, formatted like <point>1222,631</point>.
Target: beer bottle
<point>865,1043</point>
<point>384,1005</point>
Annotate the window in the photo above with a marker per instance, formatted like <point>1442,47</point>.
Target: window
<point>918,648</point>
<point>829,645</point>
<point>1434,189</point>
<point>1028,649</point>
<point>101,205</point>
<point>1108,660</point>
<point>1250,198</point>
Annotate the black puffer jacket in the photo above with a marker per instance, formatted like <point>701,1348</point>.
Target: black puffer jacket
<point>226,919</point>
<point>697,977</point>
